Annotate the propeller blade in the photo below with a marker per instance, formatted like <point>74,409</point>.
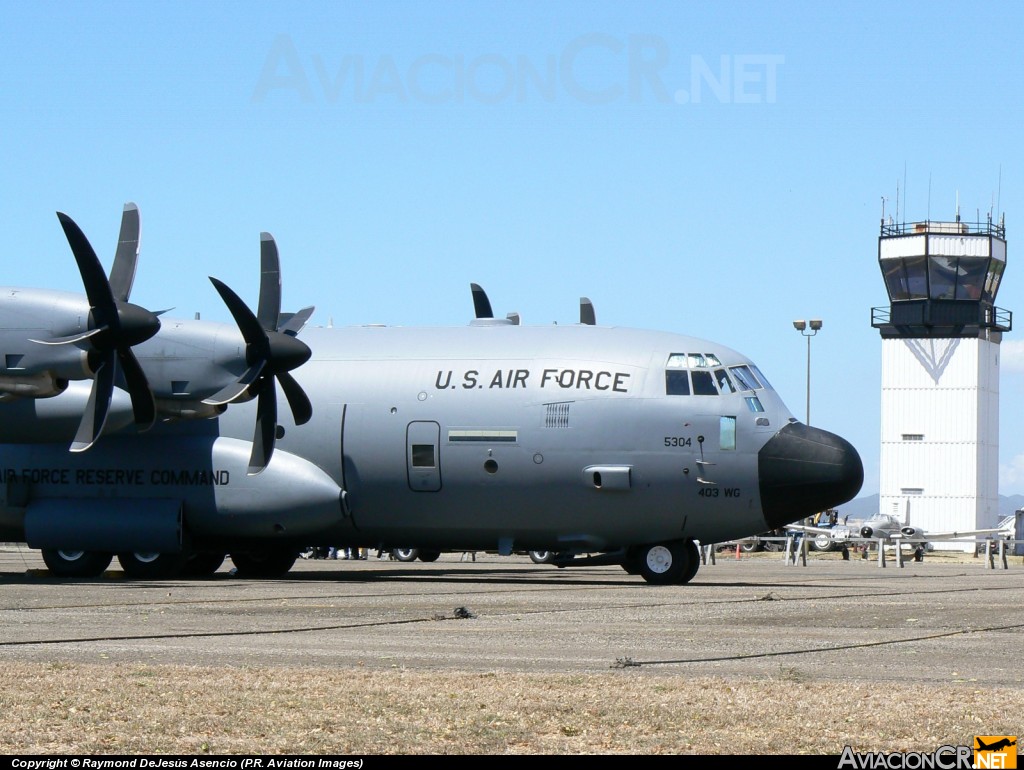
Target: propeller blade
<point>143,403</point>
<point>266,427</point>
<point>252,331</point>
<point>481,305</point>
<point>126,258</point>
<point>587,315</point>
<point>96,409</point>
<point>292,323</point>
<point>269,307</point>
<point>234,390</point>
<point>72,337</point>
<point>97,288</point>
<point>298,401</point>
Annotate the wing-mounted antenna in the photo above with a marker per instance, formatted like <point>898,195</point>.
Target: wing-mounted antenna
<point>272,350</point>
<point>115,326</point>
<point>587,315</point>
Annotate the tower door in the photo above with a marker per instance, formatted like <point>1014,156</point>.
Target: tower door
<point>423,459</point>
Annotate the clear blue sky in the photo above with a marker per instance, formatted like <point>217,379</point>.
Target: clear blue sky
<point>715,169</point>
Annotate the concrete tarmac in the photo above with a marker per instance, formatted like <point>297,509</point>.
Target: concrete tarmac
<point>947,619</point>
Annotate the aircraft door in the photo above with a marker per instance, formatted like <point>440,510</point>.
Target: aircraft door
<point>423,459</point>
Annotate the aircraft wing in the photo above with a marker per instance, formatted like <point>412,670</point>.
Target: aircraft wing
<point>809,528</point>
<point>964,534</point>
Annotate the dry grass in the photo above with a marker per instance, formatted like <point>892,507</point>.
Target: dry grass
<point>143,709</point>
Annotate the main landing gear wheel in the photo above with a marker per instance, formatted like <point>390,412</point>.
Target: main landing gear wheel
<point>429,555</point>
<point>144,565</point>
<point>663,563</point>
<point>693,555</point>
<point>405,554</point>
<point>201,565</point>
<point>542,557</point>
<point>76,564</point>
<point>263,564</point>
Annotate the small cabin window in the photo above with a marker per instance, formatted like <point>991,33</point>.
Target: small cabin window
<point>423,456</point>
<point>727,433</point>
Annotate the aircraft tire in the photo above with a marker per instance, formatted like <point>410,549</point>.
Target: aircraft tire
<point>76,564</point>
<point>663,563</point>
<point>631,561</point>
<point>263,564</point>
<point>822,542</point>
<point>542,557</point>
<point>405,554</point>
<point>144,565</point>
<point>429,555</point>
<point>751,546</point>
<point>693,557</point>
<point>201,565</point>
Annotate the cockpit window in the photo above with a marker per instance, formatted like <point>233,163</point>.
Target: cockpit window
<point>724,383</point>
<point>677,378</point>
<point>746,378</point>
<point>761,377</point>
<point>677,382</point>
<point>703,383</point>
<point>703,374</point>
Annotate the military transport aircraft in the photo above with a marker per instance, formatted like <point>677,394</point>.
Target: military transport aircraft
<point>162,442</point>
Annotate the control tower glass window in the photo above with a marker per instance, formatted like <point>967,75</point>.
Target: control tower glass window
<point>995,274</point>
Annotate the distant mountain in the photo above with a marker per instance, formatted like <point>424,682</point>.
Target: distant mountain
<point>863,507</point>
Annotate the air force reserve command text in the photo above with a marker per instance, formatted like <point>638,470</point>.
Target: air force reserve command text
<point>166,763</point>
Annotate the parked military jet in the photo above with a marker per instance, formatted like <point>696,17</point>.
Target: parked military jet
<point>886,527</point>
<point>573,438</point>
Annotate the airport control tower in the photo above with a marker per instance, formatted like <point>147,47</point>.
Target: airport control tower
<point>940,373</point>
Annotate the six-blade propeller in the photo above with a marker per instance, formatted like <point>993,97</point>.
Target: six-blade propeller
<point>115,325</point>
<point>271,352</point>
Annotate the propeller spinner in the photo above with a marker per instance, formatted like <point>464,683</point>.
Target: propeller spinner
<point>271,352</point>
<point>115,325</point>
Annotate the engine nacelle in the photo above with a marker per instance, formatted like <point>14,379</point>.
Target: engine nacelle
<point>867,532</point>
<point>42,385</point>
<point>55,420</point>
<point>912,532</point>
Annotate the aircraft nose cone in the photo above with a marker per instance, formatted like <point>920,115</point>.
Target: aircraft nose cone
<point>804,470</point>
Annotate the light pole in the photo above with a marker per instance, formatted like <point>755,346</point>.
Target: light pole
<point>808,329</point>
